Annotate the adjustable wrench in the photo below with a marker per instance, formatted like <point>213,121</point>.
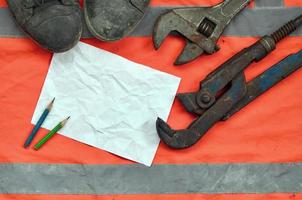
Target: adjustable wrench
<point>215,101</point>
<point>201,26</point>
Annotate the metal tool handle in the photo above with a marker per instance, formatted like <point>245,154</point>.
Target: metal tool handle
<point>229,72</point>
<point>219,78</point>
<point>226,72</point>
<point>219,17</point>
<point>268,79</point>
<point>230,8</point>
<point>224,104</point>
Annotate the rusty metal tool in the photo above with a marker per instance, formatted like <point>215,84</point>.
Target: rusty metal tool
<point>201,26</point>
<point>225,91</point>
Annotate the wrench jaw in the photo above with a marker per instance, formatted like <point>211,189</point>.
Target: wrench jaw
<point>165,24</point>
<point>174,21</point>
<point>176,139</point>
<point>190,52</point>
<point>186,23</point>
<point>196,43</point>
<point>200,26</point>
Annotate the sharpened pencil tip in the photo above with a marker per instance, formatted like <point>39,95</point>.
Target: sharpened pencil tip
<point>49,107</point>
<point>65,121</point>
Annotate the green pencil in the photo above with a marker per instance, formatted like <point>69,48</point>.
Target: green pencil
<point>50,134</point>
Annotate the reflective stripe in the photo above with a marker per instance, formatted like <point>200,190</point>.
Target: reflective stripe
<point>159,179</point>
<point>9,28</point>
<point>250,23</point>
<point>269,3</point>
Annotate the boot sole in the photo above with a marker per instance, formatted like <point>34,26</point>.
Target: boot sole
<point>101,37</point>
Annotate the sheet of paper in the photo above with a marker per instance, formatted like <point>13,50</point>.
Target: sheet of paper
<point>113,102</point>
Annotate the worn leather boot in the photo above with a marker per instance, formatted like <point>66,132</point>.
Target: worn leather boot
<point>54,24</point>
<point>110,20</point>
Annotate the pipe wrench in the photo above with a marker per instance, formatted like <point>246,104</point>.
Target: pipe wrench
<point>225,91</point>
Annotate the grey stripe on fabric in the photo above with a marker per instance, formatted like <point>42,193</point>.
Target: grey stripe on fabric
<point>269,3</point>
<point>159,179</point>
<point>9,27</point>
<point>251,22</point>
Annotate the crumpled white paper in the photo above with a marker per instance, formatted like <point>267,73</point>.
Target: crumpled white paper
<point>113,102</point>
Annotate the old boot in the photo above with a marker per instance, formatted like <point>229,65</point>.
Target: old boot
<point>113,19</point>
<point>54,24</point>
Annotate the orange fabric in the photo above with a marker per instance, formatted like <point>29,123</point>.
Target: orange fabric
<point>267,130</point>
<point>157,197</point>
<point>293,2</point>
<point>161,2</point>
<point>188,2</point>
<point>183,2</point>
<point>3,3</point>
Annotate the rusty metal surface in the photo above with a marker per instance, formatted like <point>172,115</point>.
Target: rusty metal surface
<point>225,91</point>
<point>200,26</point>
<point>267,80</point>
